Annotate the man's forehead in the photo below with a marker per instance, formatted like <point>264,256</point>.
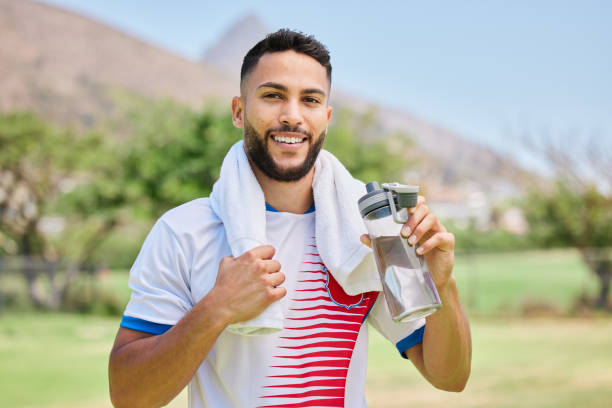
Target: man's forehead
<point>290,69</point>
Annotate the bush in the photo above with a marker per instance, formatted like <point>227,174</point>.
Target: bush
<point>88,296</point>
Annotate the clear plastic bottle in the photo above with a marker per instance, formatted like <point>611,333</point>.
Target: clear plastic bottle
<point>409,290</point>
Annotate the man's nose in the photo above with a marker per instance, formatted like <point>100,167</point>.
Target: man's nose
<point>291,114</point>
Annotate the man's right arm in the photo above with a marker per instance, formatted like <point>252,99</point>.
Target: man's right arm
<point>148,371</point>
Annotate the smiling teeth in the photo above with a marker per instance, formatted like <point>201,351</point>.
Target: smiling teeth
<point>287,139</point>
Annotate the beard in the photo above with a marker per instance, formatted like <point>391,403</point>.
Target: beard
<point>258,153</point>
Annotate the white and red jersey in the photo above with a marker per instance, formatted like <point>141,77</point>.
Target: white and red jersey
<point>319,358</point>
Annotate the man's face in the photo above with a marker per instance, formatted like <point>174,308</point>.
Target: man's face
<point>283,110</point>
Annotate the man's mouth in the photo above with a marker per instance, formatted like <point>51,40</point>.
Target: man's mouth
<point>288,139</point>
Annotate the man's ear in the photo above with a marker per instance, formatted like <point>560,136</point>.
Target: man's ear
<point>329,113</point>
<point>238,112</point>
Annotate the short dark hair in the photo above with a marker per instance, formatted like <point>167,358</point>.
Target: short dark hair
<point>285,40</point>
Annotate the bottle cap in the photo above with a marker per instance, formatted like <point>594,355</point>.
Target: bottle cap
<point>404,196</point>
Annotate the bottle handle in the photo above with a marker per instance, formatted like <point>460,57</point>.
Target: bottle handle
<point>400,216</point>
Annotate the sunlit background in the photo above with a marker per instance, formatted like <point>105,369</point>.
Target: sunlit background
<point>113,112</point>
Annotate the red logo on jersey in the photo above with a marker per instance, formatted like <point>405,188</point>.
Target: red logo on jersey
<point>338,295</point>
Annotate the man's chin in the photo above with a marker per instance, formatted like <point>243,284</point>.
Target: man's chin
<point>292,173</point>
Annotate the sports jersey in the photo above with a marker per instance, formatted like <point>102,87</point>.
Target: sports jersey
<point>318,359</point>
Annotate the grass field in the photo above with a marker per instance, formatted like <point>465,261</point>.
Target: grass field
<point>53,360</point>
<point>562,363</point>
<point>60,360</point>
<point>509,283</point>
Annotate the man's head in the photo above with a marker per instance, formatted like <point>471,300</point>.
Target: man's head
<point>283,107</point>
<point>286,40</point>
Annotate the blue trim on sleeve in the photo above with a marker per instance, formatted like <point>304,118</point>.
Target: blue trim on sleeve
<point>415,337</point>
<point>272,209</point>
<point>311,209</point>
<point>135,323</point>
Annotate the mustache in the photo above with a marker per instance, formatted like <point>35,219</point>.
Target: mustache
<point>287,128</point>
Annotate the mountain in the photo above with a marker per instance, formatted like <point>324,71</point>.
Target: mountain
<point>454,166</point>
<point>62,65</point>
<point>227,52</point>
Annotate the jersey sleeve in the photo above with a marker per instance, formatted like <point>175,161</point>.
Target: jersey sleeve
<point>402,335</point>
<point>160,285</point>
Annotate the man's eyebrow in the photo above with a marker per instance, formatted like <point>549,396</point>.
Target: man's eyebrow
<point>280,87</point>
<point>310,91</point>
<point>274,85</point>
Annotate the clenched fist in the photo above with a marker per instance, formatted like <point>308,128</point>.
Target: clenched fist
<point>249,283</point>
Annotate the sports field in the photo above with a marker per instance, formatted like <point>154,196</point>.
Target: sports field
<point>60,360</point>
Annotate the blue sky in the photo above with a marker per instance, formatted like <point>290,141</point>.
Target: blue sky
<point>488,70</point>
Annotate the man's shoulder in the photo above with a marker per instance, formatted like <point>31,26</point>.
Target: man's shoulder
<point>193,217</point>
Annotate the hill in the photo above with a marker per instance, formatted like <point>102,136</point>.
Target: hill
<point>61,64</point>
<point>65,66</point>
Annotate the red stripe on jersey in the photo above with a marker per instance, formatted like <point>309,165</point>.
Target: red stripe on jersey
<point>344,318</point>
<point>335,335</point>
<point>340,353</point>
<point>334,308</point>
<point>328,382</point>
<point>313,280</point>
<point>338,326</point>
<point>312,299</point>
<point>320,373</point>
<point>325,392</point>
<point>326,402</point>
<point>312,290</point>
<point>336,344</point>
<point>326,363</point>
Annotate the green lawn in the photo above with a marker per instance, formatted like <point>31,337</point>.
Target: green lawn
<point>505,284</point>
<point>60,360</point>
<point>561,363</point>
<point>53,360</point>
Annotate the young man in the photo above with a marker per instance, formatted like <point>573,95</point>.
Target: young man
<point>187,289</point>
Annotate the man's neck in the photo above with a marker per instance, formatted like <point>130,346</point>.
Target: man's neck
<point>294,197</point>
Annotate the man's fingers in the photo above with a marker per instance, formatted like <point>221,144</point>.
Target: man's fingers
<point>443,240</point>
<point>365,239</point>
<point>260,252</point>
<point>427,224</point>
<point>420,201</point>
<point>276,278</point>
<point>277,293</point>
<point>420,211</point>
<point>271,265</point>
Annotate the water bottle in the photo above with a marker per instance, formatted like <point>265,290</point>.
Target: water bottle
<point>407,285</point>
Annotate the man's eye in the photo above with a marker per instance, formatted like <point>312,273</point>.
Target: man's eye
<point>272,95</point>
<point>311,100</point>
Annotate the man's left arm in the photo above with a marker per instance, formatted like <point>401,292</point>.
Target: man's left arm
<point>444,357</point>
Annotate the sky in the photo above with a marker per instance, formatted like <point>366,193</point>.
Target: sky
<point>489,70</point>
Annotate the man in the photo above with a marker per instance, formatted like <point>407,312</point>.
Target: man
<point>187,290</point>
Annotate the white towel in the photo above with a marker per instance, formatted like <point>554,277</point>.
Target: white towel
<point>238,201</point>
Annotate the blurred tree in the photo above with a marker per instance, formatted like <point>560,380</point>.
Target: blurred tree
<point>37,163</point>
<point>156,156</point>
<point>174,155</point>
<point>366,150</point>
<point>576,209</point>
